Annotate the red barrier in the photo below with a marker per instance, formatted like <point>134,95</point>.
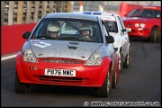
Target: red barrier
<point>11,37</point>
<point>126,8</point>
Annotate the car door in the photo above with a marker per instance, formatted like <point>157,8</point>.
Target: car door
<point>123,36</point>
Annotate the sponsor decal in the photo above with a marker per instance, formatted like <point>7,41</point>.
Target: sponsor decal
<point>42,44</point>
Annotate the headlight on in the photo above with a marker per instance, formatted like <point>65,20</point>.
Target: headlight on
<point>29,56</point>
<point>94,60</point>
<point>137,25</point>
<point>142,25</point>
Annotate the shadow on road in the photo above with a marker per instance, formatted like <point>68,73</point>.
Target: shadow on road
<point>50,89</point>
<point>140,39</point>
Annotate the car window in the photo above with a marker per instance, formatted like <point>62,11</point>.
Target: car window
<point>136,13</point>
<point>111,26</point>
<point>157,13</point>
<point>70,29</point>
<point>148,13</point>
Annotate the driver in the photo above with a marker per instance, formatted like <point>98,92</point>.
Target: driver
<point>85,32</point>
<point>53,29</point>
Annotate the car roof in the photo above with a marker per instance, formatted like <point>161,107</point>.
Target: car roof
<point>103,15</point>
<point>100,13</point>
<point>72,15</point>
<point>152,7</point>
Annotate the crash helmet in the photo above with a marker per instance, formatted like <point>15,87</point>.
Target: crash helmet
<point>83,28</point>
<point>53,27</point>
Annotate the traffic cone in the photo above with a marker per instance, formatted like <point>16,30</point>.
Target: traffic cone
<point>81,6</point>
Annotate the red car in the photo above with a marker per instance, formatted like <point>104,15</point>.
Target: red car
<point>69,59</point>
<point>144,22</point>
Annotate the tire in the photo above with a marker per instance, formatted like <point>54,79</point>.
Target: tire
<point>105,89</point>
<point>127,61</point>
<point>20,87</point>
<point>114,80</point>
<point>120,61</point>
<point>154,35</point>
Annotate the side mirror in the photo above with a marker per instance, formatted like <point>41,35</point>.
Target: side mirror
<point>109,39</point>
<point>125,15</point>
<point>124,30</point>
<point>26,35</point>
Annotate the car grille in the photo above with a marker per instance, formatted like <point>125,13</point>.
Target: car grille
<point>62,61</point>
<point>61,79</point>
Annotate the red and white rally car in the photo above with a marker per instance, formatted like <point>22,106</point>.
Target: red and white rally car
<point>144,22</point>
<point>68,59</point>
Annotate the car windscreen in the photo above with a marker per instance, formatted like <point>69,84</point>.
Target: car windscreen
<point>146,13</point>
<point>68,29</point>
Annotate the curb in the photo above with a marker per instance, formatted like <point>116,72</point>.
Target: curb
<point>8,56</point>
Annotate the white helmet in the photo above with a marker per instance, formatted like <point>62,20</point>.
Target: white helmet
<point>53,27</point>
<point>85,28</point>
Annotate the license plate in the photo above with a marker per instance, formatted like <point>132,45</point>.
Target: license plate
<point>60,72</point>
<point>128,29</point>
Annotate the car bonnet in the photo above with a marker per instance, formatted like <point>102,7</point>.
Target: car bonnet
<point>63,49</point>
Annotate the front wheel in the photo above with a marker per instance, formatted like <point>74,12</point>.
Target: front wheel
<point>105,89</point>
<point>127,61</point>
<point>114,82</point>
<point>20,87</point>
<point>154,35</point>
<point>120,61</point>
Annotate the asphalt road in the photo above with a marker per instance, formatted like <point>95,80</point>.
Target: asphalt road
<point>141,83</point>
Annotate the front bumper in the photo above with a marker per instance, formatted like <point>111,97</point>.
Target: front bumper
<point>86,76</point>
<point>139,32</point>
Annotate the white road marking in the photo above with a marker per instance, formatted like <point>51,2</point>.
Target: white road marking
<point>8,57</point>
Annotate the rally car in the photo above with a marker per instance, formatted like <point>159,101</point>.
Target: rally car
<point>144,22</point>
<point>116,28</point>
<point>68,59</point>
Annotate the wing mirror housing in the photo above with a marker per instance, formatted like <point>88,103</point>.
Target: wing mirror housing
<point>109,39</point>
<point>124,30</point>
<point>26,35</point>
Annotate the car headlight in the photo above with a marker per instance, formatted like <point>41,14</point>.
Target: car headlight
<point>29,56</point>
<point>94,60</point>
<point>142,25</point>
<point>137,25</point>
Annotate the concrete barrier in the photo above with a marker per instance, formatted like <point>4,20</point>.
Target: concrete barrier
<point>11,37</point>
